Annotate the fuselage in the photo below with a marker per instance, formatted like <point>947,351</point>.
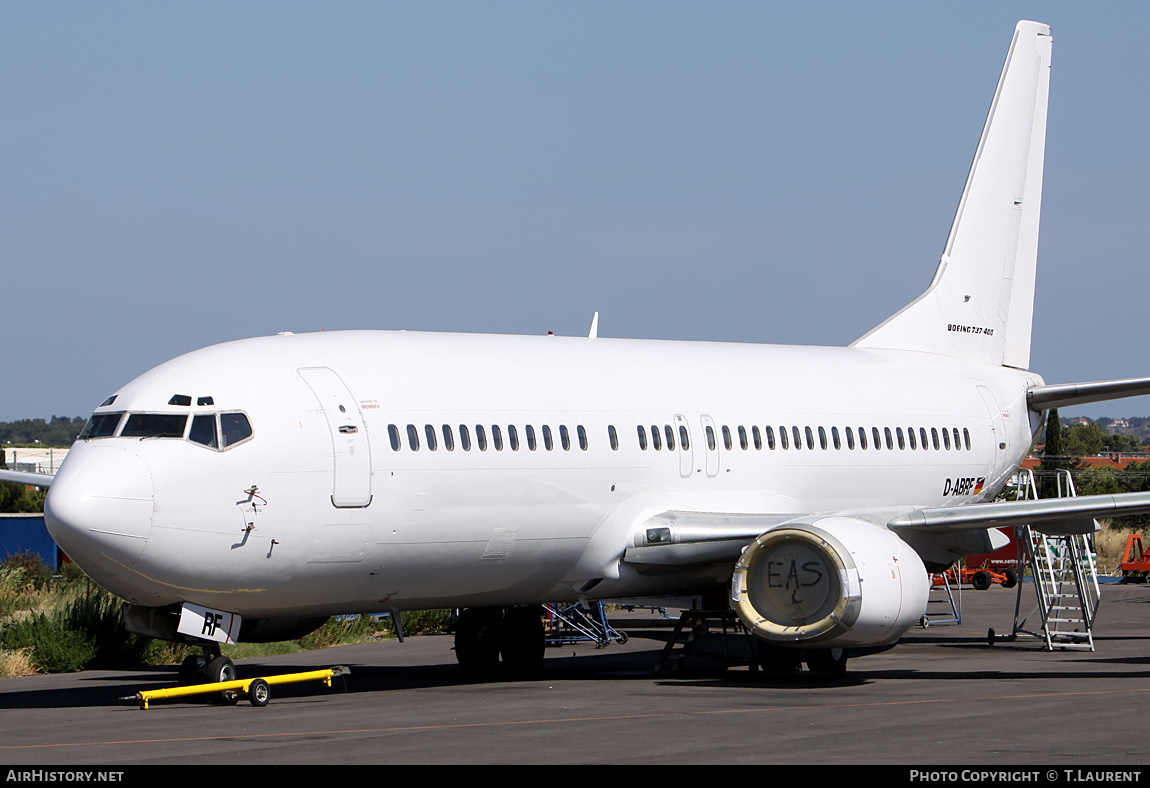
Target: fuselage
<point>402,470</point>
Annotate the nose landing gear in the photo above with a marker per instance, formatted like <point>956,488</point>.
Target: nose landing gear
<point>209,667</point>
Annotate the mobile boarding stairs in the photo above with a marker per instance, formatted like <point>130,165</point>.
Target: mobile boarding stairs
<point>1064,575</point>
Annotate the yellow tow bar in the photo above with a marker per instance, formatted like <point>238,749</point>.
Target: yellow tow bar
<point>257,690</point>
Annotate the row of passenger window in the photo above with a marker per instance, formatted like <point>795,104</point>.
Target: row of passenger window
<point>947,438</point>
<point>669,434</point>
<point>431,438</point>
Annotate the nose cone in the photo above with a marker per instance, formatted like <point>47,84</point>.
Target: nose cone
<point>99,509</point>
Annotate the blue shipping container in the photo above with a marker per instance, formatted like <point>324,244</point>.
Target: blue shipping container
<point>21,533</point>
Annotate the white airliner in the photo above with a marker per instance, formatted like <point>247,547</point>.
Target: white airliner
<point>248,490</point>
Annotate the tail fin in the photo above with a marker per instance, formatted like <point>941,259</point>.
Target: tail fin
<point>980,304</point>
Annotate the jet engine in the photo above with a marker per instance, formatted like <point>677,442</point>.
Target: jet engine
<point>829,582</point>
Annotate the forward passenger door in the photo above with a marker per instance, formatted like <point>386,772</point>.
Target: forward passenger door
<point>351,452</point>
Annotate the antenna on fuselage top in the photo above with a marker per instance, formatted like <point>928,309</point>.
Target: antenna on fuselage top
<point>594,327</point>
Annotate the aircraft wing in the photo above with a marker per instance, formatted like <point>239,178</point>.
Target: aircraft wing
<point>681,538</point>
<point>1052,516</point>
<point>23,477</point>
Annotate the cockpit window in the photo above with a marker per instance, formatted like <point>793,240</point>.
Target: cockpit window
<point>214,430</point>
<point>154,425</point>
<point>203,431</point>
<point>235,428</point>
<point>219,431</point>
<point>101,425</point>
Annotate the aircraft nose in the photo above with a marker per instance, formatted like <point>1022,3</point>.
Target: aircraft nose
<point>99,508</point>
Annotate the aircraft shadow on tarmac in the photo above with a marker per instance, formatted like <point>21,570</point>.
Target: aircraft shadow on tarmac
<point>601,666</point>
<point>633,662</point>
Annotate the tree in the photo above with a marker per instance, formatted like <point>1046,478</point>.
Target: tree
<point>1121,443</point>
<point>1098,481</point>
<point>58,431</point>
<point>1054,458</point>
<point>16,498</point>
<point>1083,440</point>
<point>1135,477</point>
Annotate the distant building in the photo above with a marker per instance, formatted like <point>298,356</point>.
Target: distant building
<point>1115,462</point>
<point>34,460</point>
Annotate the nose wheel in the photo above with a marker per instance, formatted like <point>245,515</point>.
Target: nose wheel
<point>223,669</point>
<point>209,667</point>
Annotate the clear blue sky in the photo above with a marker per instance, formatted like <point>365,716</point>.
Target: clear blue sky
<point>177,175</point>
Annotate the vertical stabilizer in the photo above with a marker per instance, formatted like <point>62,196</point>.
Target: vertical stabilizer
<point>980,304</point>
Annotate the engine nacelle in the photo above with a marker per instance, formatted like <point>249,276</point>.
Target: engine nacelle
<point>829,582</point>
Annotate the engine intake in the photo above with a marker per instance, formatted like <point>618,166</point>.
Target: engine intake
<point>831,582</point>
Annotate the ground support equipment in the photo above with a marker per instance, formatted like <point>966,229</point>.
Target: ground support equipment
<point>257,690</point>
<point>1135,564</point>
<point>580,623</point>
<point>947,610</point>
<point>1065,579</point>
<point>671,660</point>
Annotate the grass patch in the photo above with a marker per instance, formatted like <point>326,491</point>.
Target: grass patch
<point>51,649</point>
<point>1110,544</point>
<point>418,622</point>
<point>17,594</point>
<point>338,630</point>
<point>17,662</point>
<point>248,650</point>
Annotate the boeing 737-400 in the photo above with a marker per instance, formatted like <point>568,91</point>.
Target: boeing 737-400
<point>249,490</point>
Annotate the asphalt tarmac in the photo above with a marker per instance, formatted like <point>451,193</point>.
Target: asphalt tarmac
<point>942,696</point>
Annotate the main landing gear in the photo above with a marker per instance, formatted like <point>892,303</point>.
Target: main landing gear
<point>484,634</point>
<point>778,659</point>
<point>209,667</point>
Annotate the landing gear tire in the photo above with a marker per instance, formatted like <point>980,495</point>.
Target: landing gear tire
<point>222,669</point>
<point>522,641</point>
<point>193,670</point>
<point>477,642</point>
<point>828,661</point>
<point>259,693</point>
